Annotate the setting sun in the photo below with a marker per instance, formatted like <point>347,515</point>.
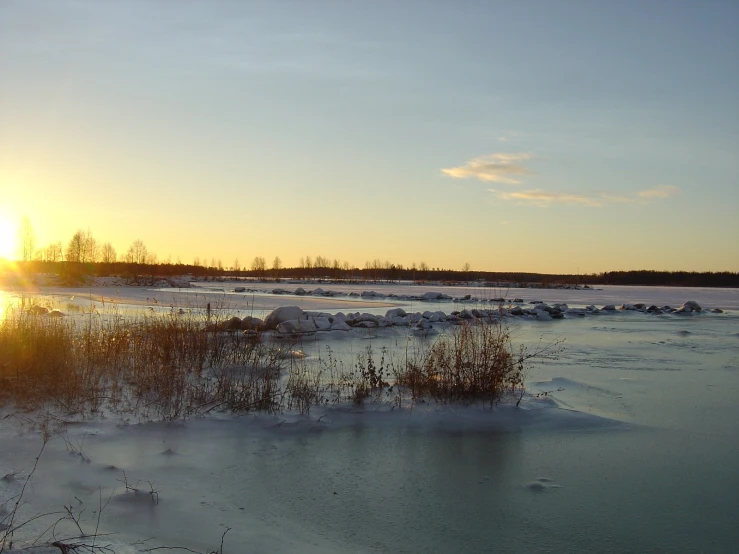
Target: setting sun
<point>7,239</point>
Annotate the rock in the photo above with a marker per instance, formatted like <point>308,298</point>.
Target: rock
<point>424,324</point>
<point>608,308</point>
<point>543,315</point>
<point>318,292</point>
<point>689,306</point>
<point>372,294</point>
<point>339,325</point>
<point>239,289</point>
<point>395,312</point>
<point>516,310</point>
<point>296,326</point>
<point>300,291</point>
<point>38,310</point>
<point>280,291</point>
<point>55,313</point>
<point>466,314</point>
<point>717,311</point>
<point>628,307</point>
<point>518,300</point>
<point>322,323</point>
<point>401,321</point>
<point>285,313</point>
<point>250,322</point>
<point>233,324</point>
<point>437,316</point>
<point>365,324</point>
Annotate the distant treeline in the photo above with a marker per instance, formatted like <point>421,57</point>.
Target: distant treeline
<point>667,278</point>
<point>75,272</point>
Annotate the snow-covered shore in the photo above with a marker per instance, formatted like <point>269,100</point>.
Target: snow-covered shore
<point>623,443</point>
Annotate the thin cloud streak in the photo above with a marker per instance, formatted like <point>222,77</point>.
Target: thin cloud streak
<point>661,191</point>
<point>495,168</point>
<point>544,198</point>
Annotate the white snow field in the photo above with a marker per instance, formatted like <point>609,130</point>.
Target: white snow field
<point>625,443</point>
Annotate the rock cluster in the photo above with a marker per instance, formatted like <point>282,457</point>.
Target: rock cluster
<point>292,320</point>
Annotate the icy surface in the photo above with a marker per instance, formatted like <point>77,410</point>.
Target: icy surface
<point>627,442</point>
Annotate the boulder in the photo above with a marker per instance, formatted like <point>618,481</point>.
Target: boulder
<point>322,323</point>
<point>366,324</point>
<point>437,316</point>
<point>717,311</point>
<point>689,306</point>
<point>516,310</point>
<point>300,291</point>
<point>296,326</point>
<point>285,313</point>
<point>233,324</point>
<point>609,308</point>
<point>424,324</point>
<point>395,312</point>
<point>250,322</point>
<point>339,325</point>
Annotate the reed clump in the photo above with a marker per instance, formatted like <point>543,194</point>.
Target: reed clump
<point>470,363</point>
<point>158,365</point>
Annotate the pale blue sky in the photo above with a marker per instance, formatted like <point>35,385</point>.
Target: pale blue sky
<point>531,135</point>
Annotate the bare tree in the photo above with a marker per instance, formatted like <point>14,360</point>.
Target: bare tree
<point>76,248</point>
<point>137,253</point>
<point>277,266</point>
<point>28,240</point>
<point>259,265</point>
<point>90,248</point>
<point>53,253</point>
<point>108,254</point>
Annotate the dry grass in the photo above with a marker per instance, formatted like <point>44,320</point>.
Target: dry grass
<point>473,362</point>
<point>167,366</point>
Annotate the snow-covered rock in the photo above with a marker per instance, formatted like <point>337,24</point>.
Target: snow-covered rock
<point>284,313</point>
<point>295,326</point>
<point>424,324</point>
<point>339,325</point>
<point>395,312</point>
<point>250,322</point>
<point>689,307</point>
<point>322,323</point>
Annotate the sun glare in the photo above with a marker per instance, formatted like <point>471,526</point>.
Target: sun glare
<point>7,239</point>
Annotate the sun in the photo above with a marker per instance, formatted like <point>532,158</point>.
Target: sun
<point>7,239</point>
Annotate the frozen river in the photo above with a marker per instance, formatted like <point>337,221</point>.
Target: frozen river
<point>632,450</point>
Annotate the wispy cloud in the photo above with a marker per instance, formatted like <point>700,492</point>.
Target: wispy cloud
<point>661,191</point>
<point>495,168</point>
<point>544,198</point>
